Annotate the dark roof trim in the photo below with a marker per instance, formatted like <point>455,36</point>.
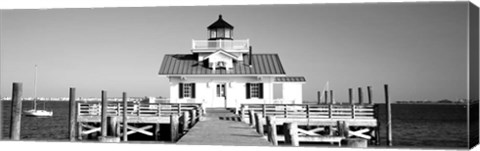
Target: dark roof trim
<point>290,79</point>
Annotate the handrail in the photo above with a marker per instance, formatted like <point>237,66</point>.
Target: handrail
<point>221,44</point>
<point>136,109</point>
<point>327,111</point>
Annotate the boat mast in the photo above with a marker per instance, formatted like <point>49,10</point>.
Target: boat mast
<point>35,90</point>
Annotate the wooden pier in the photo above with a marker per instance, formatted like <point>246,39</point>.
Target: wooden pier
<point>222,127</point>
<point>316,123</point>
<point>141,118</point>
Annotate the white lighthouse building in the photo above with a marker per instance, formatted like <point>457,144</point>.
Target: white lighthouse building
<point>223,72</point>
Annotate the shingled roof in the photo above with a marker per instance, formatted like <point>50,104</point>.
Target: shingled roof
<point>187,64</point>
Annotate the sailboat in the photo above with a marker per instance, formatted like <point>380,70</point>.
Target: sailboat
<point>35,112</point>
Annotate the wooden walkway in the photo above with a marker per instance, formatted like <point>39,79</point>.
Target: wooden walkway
<point>221,127</point>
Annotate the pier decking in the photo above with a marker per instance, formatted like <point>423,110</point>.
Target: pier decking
<point>221,127</point>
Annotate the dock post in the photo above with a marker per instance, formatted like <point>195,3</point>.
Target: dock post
<point>369,95</point>
<point>16,110</point>
<point>377,129</point>
<point>326,97</point>
<point>389,117</point>
<point>79,131</point>
<point>193,118</point>
<point>71,111</point>
<point>1,118</point>
<point>104,114</point>
<point>350,96</point>
<point>264,110</point>
<point>331,97</point>
<point>185,121</point>
<point>330,108</point>
<point>319,97</point>
<point>343,128</point>
<point>173,127</point>
<point>242,113</point>
<point>272,130</point>
<point>251,117</point>
<point>125,119</point>
<point>360,96</point>
<point>340,128</point>
<point>112,126</point>
<point>291,134</point>
<point>179,108</point>
<point>259,125</point>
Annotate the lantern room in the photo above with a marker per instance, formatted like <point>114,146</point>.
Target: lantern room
<point>220,30</point>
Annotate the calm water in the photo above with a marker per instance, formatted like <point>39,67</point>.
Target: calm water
<point>414,125</point>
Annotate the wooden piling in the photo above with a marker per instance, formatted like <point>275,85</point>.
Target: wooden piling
<point>179,108</point>
<point>1,118</point>
<point>377,129</point>
<point>264,110</point>
<point>290,133</point>
<point>242,113</point>
<point>259,123</point>
<point>369,95</point>
<point>389,117</point>
<point>174,127</point>
<point>350,96</point>
<point>342,128</point>
<point>156,132</point>
<point>251,117</point>
<point>71,111</point>
<point>112,126</point>
<point>185,121</point>
<point>79,131</point>
<point>319,95</point>
<point>326,97</point>
<point>104,114</point>
<point>16,110</point>
<point>331,97</point>
<point>272,130</point>
<point>360,96</point>
<point>125,119</point>
<point>193,118</point>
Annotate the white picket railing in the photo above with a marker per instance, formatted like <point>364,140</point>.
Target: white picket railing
<point>221,44</point>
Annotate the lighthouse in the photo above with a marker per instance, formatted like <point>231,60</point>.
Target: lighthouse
<point>225,72</point>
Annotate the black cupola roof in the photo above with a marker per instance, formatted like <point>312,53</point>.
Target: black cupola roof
<point>220,23</point>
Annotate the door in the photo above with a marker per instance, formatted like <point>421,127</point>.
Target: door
<point>221,96</point>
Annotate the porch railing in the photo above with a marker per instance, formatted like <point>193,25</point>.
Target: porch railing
<point>221,44</point>
<point>323,111</point>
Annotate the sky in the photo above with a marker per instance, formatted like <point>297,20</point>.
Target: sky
<point>418,49</point>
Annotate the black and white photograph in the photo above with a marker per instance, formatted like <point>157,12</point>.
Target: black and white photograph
<point>357,75</point>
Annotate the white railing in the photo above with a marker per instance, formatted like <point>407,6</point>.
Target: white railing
<point>221,44</point>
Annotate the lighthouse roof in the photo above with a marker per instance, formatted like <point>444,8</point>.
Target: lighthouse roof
<point>220,23</point>
<point>187,64</point>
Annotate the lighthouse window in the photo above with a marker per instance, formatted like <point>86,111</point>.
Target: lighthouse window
<point>254,90</point>
<point>213,34</point>
<point>227,33</point>
<point>221,32</point>
<point>187,90</point>
<point>221,64</point>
